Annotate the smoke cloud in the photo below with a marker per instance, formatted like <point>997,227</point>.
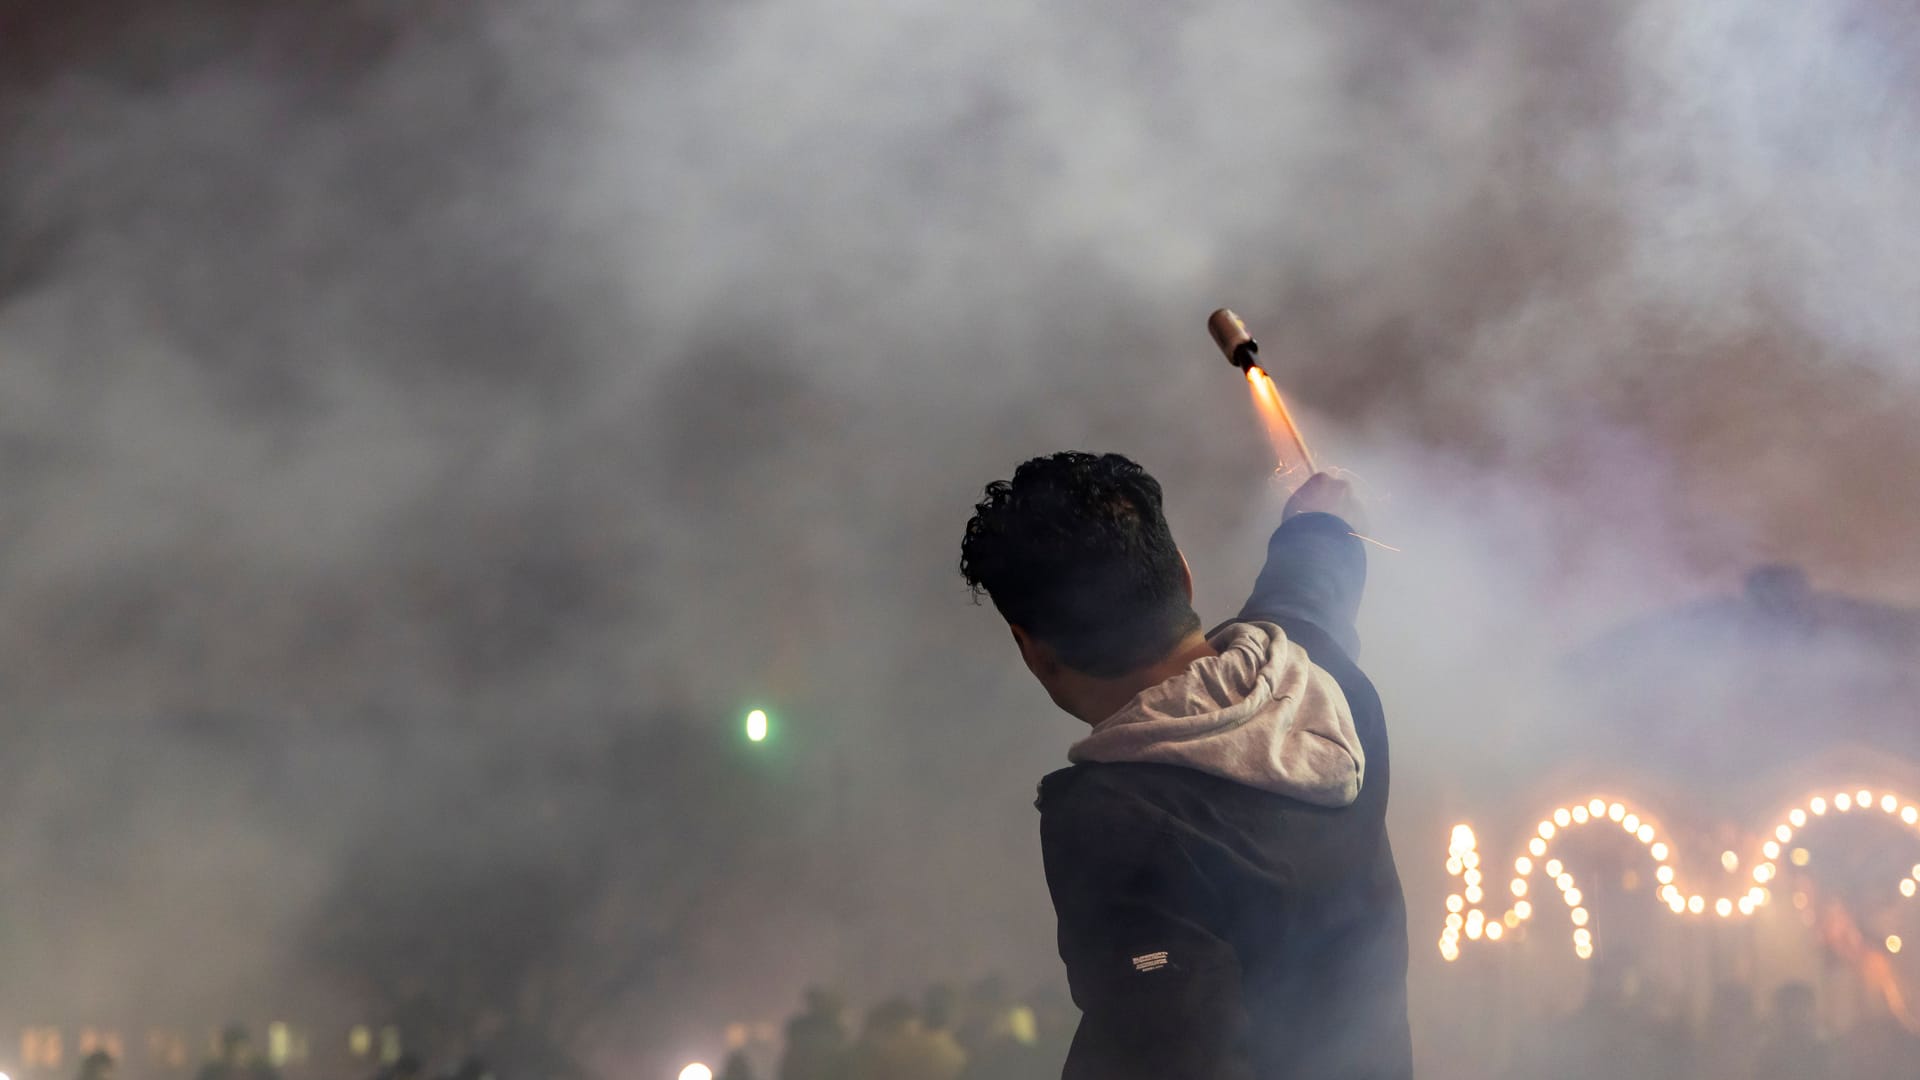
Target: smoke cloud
<point>428,428</point>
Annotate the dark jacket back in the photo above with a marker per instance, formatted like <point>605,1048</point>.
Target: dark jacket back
<point>1214,930</point>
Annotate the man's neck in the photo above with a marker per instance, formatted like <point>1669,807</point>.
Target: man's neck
<point>1098,699</point>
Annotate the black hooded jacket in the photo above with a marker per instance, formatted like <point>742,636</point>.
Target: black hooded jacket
<point>1215,931</point>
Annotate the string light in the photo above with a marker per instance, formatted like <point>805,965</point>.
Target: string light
<point>1466,917</point>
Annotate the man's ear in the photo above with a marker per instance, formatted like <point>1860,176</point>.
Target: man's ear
<point>1186,572</point>
<point>1039,658</point>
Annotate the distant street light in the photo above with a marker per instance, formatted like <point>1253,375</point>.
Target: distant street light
<point>757,727</point>
<point>696,1071</point>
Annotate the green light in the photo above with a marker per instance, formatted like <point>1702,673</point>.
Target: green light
<point>757,725</point>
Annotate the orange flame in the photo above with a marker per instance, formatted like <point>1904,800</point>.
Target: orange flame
<point>1288,445</point>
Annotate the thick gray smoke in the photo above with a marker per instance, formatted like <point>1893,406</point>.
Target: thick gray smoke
<point>428,428</point>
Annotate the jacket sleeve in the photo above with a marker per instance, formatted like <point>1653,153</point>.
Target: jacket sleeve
<point>1159,994</point>
<point>1316,570</point>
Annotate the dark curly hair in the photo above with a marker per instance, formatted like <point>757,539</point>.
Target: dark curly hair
<point>1076,551</point>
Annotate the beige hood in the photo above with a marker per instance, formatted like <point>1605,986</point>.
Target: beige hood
<point>1260,714</point>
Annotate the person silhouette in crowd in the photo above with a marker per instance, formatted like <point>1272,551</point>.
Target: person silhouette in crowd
<point>1794,1049</point>
<point>894,1045</point>
<point>237,1059</point>
<point>98,1065</point>
<point>817,1045</point>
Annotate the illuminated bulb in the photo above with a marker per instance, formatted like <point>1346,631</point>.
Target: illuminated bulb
<point>1563,817</point>
<point>1584,952</point>
<point>1616,811</point>
<point>1729,861</point>
<point>1818,806</point>
<point>1462,839</point>
<point>1799,856</point>
<point>1631,823</point>
<point>1770,849</point>
<point>1583,936</point>
<point>1597,807</point>
<point>1474,930</point>
<point>1696,904</point>
<point>1889,804</point>
<point>1474,894</point>
<point>1579,916</point>
<point>1746,905</point>
<point>1537,846</point>
<point>1523,865</point>
<point>1916,870</point>
<point>1494,930</point>
<point>1523,910</point>
<point>1843,802</point>
<point>1669,894</point>
<point>1758,895</point>
<point>1910,814</point>
<point>1678,905</point>
<point>696,1071</point>
<point>1907,887</point>
<point>1511,918</point>
<point>1664,875</point>
<point>1554,869</point>
<point>1519,886</point>
<point>1798,817</point>
<point>1473,877</point>
<point>1646,834</point>
<point>1565,881</point>
<point>1454,866</point>
<point>1475,922</point>
<point>1659,852</point>
<point>1581,816</point>
<point>1546,830</point>
<point>1455,903</point>
<point>1783,834</point>
<point>1455,921</point>
<point>1573,897</point>
<point>1893,943</point>
<point>1763,873</point>
<point>1863,797</point>
<point>1723,907</point>
<point>1471,860</point>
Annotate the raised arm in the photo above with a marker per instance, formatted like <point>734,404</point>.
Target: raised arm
<point>1316,568</point>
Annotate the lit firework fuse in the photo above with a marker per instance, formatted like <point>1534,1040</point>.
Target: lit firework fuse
<point>1243,352</point>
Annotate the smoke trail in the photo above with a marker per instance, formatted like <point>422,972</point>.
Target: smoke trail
<point>458,390</point>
